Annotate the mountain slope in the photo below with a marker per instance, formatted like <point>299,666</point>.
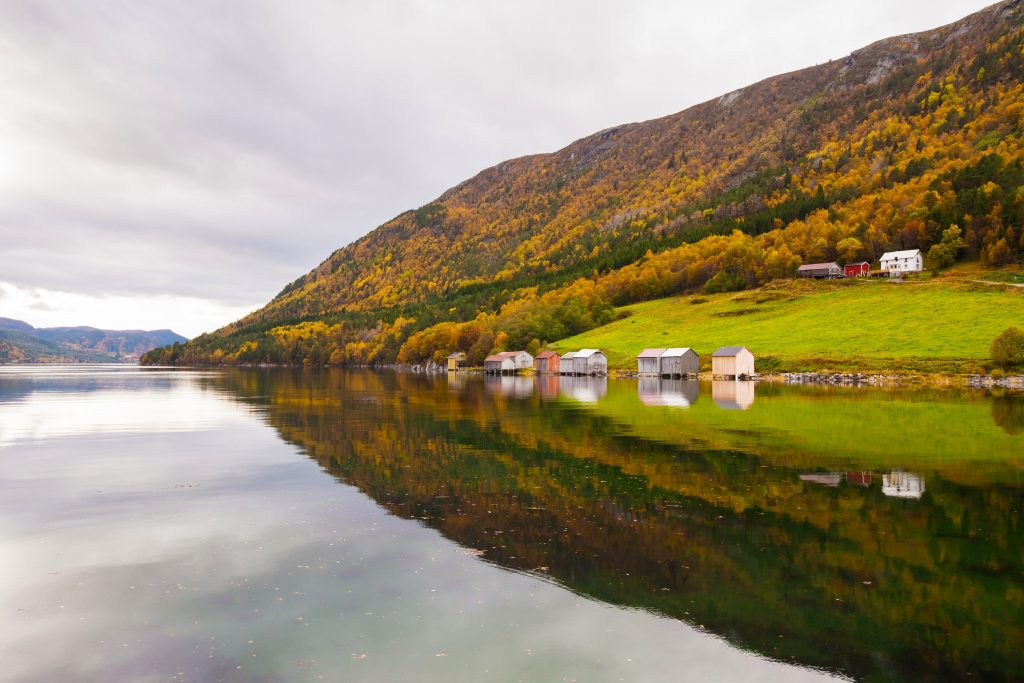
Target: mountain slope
<point>883,149</point>
<point>23,343</point>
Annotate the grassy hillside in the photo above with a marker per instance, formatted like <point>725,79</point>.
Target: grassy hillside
<point>911,142</point>
<point>927,325</point>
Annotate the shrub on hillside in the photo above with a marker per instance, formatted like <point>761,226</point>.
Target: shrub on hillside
<point>1008,348</point>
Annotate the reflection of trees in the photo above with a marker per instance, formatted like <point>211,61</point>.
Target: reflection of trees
<point>1008,413</point>
<point>715,538</point>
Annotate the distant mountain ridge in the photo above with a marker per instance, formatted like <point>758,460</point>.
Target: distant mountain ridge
<point>884,149</point>
<point>20,342</point>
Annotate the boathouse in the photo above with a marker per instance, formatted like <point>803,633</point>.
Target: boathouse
<point>565,363</point>
<point>546,362</point>
<point>862,269</point>
<point>820,270</point>
<point>647,362</point>
<point>732,362</point>
<point>589,362</point>
<point>457,361</point>
<point>508,362</point>
<point>678,362</point>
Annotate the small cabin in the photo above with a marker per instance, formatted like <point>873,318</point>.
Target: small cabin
<point>862,269</point>
<point>895,263</point>
<point>457,361</point>
<point>820,270</point>
<point>508,362</point>
<point>678,362</point>
<point>565,363</point>
<point>647,362</point>
<point>546,362</point>
<point>732,362</point>
<point>589,362</point>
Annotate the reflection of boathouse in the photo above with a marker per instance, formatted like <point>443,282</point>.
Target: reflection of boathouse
<point>547,385</point>
<point>903,485</point>
<point>584,389</point>
<point>823,478</point>
<point>732,394</point>
<point>510,386</point>
<point>836,478</point>
<point>679,393</point>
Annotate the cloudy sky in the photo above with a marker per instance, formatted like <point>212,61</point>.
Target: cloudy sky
<point>174,164</point>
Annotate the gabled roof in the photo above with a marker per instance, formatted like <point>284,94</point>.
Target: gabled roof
<point>676,351</point>
<point>906,253</point>
<point>457,354</point>
<point>858,263</point>
<point>570,354</point>
<point>587,353</point>
<point>501,356</point>
<point>817,266</point>
<point>729,351</point>
<point>650,353</point>
<point>547,354</point>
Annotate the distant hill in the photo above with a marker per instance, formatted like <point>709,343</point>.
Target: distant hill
<point>884,149</point>
<point>23,343</point>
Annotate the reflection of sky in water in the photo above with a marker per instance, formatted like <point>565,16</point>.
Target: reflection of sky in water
<point>164,533</point>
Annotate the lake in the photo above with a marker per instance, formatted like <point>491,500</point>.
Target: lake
<point>290,525</point>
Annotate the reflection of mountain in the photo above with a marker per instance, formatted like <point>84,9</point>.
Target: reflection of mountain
<point>716,538</point>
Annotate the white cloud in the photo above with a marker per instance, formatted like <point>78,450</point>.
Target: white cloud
<point>219,150</point>
<point>51,308</point>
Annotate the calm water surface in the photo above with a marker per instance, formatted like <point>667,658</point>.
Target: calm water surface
<point>160,525</point>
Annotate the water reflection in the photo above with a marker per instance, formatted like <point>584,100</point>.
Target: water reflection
<point>677,393</point>
<point>510,386</point>
<point>771,529</point>
<point>766,527</point>
<point>903,485</point>
<point>732,394</point>
<point>583,388</point>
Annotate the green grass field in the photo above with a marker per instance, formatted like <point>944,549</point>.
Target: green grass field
<point>929,325</point>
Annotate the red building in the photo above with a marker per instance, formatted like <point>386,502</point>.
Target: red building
<point>862,269</point>
<point>546,362</point>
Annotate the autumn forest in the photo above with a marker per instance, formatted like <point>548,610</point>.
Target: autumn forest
<point>912,142</point>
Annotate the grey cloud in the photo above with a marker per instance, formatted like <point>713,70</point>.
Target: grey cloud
<point>220,150</point>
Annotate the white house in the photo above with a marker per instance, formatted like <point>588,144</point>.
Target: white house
<point>899,262</point>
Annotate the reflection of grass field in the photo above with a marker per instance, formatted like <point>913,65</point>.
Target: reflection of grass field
<point>927,325</point>
<point>965,437</point>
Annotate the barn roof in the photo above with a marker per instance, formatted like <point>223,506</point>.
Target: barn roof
<point>729,351</point>
<point>818,266</point>
<point>651,353</point>
<point>587,353</point>
<point>906,253</point>
<point>676,351</point>
<point>547,354</point>
<point>858,263</point>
